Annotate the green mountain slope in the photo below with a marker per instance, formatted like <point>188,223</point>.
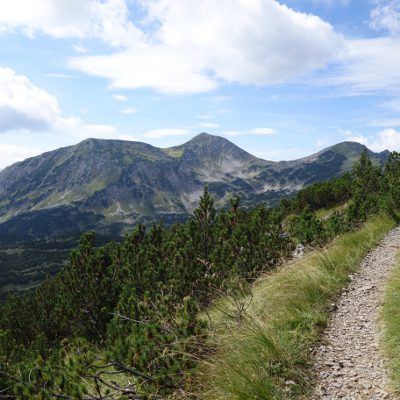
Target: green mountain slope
<point>110,185</point>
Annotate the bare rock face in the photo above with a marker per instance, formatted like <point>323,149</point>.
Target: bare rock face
<point>298,252</point>
<point>349,361</point>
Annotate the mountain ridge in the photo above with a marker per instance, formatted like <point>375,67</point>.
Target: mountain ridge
<point>109,185</point>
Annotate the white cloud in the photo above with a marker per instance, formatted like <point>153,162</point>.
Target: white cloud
<point>209,125</point>
<point>80,49</point>
<point>385,16</point>
<point>128,110</point>
<point>24,105</point>
<point>120,97</point>
<point>261,42</point>
<point>28,107</point>
<point>387,139</point>
<point>60,76</point>
<point>371,65</point>
<point>140,67</point>
<point>101,130</point>
<point>263,131</point>
<point>164,132</point>
<point>201,43</point>
<point>10,153</point>
<point>205,116</point>
<point>107,20</point>
<point>78,129</point>
<point>129,138</point>
<point>255,131</point>
<point>393,104</point>
<point>386,123</point>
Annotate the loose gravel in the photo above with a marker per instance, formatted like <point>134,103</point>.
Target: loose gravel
<point>349,361</point>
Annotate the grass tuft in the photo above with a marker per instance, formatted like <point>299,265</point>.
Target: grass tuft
<point>265,354</point>
<point>391,321</point>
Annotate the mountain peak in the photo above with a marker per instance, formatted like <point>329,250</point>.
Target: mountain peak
<point>206,140</point>
<point>206,146</point>
<point>348,145</point>
<point>202,135</point>
<point>205,137</point>
<point>90,142</point>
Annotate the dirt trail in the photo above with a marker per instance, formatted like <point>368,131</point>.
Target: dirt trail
<point>349,362</point>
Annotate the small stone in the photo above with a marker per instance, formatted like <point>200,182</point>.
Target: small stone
<point>329,363</point>
<point>366,385</point>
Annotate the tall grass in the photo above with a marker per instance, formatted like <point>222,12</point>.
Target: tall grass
<point>264,353</point>
<point>391,321</point>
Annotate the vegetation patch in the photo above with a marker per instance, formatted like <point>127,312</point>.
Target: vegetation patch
<point>263,345</point>
<point>173,152</point>
<point>391,321</point>
<point>326,212</point>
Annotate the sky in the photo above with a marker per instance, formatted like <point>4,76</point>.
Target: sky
<point>281,79</point>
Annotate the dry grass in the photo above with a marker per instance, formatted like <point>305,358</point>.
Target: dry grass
<point>391,321</point>
<point>263,353</point>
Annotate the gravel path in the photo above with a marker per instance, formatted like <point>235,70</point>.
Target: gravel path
<point>349,364</point>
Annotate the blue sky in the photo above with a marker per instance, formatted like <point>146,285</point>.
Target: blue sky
<point>280,79</point>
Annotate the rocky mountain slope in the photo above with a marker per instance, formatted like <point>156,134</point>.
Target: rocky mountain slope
<point>109,185</point>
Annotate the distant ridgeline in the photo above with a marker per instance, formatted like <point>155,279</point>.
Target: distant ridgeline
<point>122,320</point>
<point>108,186</point>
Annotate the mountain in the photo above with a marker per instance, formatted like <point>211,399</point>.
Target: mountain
<point>109,185</point>
<point>47,201</point>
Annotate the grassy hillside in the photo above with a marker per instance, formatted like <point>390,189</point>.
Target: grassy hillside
<point>264,353</point>
<point>391,321</point>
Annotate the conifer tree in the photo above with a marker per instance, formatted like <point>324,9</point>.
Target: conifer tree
<point>205,218</point>
<point>392,183</point>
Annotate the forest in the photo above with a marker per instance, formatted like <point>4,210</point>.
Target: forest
<point>126,320</point>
